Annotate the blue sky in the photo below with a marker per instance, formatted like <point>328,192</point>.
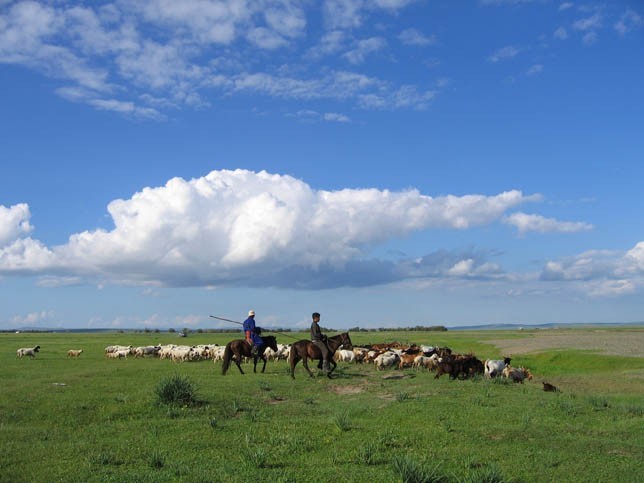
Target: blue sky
<point>392,162</point>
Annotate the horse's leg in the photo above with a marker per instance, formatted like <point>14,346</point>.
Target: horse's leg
<point>306,365</point>
<point>264,366</point>
<point>294,359</point>
<point>238,358</point>
<point>334,365</point>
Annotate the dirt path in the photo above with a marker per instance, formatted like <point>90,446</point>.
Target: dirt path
<point>624,343</point>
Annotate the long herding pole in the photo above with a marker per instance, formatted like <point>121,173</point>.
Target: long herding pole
<point>240,323</point>
<point>227,320</point>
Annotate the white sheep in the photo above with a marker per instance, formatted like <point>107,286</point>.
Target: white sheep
<point>344,355</point>
<point>494,368</point>
<point>385,360</point>
<point>424,362</point>
<point>74,352</point>
<point>27,351</point>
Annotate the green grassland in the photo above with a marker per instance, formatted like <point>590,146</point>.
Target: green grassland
<point>93,419</point>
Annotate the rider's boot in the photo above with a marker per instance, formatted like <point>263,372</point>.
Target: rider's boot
<point>325,367</point>
<point>253,350</point>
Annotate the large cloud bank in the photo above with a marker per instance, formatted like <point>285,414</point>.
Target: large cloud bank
<point>246,228</point>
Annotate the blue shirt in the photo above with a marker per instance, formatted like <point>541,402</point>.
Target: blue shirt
<point>249,324</point>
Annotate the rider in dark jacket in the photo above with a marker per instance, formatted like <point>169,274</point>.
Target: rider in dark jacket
<point>319,340</point>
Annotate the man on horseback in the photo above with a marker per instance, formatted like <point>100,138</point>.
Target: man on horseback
<point>251,332</point>
<point>319,340</point>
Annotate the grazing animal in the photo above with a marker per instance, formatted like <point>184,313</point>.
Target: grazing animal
<point>27,351</point>
<point>150,350</point>
<point>303,350</point>
<point>549,387</point>
<point>516,375</point>
<point>344,355</point>
<point>385,360</point>
<point>494,368</point>
<point>239,348</point>
<point>429,363</point>
<point>459,366</point>
<point>74,353</point>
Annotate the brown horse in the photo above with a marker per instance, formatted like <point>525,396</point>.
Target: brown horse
<point>240,348</point>
<point>305,349</point>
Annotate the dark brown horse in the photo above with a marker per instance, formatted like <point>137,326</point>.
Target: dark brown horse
<point>303,350</point>
<point>240,348</point>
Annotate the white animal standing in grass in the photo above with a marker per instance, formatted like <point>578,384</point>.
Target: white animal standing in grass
<point>74,352</point>
<point>344,355</point>
<point>494,368</point>
<point>27,351</point>
<point>386,360</point>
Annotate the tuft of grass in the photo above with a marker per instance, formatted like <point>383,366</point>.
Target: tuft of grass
<point>409,470</point>
<point>490,474</point>
<point>255,457</point>
<point>388,439</point>
<point>177,390</point>
<point>632,410</point>
<point>238,406</point>
<point>447,423</point>
<point>105,458</point>
<point>598,403</point>
<point>264,386</point>
<point>157,459</point>
<point>525,420</point>
<point>566,407</point>
<point>403,396</point>
<point>342,421</point>
<point>367,454</point>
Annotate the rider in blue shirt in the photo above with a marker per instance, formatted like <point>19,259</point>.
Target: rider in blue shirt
<point>251,332</point>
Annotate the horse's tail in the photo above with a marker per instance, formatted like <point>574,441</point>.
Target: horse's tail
<point>227,358</point>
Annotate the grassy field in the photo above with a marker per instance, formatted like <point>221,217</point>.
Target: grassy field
<point>93,419</point>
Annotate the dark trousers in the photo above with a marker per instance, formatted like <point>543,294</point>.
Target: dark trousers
<point>323,349</point>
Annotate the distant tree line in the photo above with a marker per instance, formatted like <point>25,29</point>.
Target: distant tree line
<point>185,331</point>
<point>416,328</point>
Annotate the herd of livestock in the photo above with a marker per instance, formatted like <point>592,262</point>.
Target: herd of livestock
<point>440,360</point>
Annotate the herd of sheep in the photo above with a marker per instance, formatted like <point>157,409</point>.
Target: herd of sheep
<point>383,356</point>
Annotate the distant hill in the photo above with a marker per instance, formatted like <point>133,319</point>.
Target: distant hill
<point>462,327</point>
<point>544,326</point>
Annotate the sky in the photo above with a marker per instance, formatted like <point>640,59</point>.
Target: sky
<point>385,163</point>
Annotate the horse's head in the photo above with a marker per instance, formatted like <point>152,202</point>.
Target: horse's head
<point>346,341</point>
<point>271,342</point>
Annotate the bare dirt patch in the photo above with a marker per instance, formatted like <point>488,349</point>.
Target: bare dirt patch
<point>343,390</point>
<point>623,343</point>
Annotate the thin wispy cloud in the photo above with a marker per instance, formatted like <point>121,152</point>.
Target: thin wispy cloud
<point>504,53</point>
<point>415,37</point>
<point>139,59</point>
<point>560,34</point>
<point>535,69</point>
<point>364,48</point>
<point>536,223</point>
<point>629,21</point>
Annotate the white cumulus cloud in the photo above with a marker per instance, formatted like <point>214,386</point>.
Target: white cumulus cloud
<point>530,222</point>
<point>600,272</point>
<point>241,227</point>
<point>14,223</point>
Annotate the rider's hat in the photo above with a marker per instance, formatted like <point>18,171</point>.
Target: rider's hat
<point>251,312</point>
